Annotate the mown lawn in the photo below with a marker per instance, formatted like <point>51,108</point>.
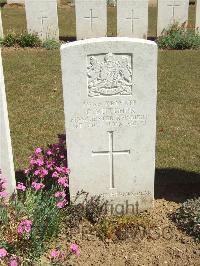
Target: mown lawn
<point>14,20</point>
<point>34,92</point>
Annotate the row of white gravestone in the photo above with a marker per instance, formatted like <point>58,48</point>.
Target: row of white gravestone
<point>91,17</point>
<point>21,2</point>
<point>109,88</point>
<point>15,2</point>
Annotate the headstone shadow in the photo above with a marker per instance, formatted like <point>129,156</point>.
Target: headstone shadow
<point>176,184</point>
<point>170,184</point>
<point>67,38</point>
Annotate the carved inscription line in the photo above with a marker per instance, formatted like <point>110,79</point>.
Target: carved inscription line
<point>110,152</point>
<point>110,115</point>
<point>127,194</point>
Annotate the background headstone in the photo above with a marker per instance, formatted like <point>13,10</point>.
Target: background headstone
<point>1,26</point>
<point>110,89</point>
<point>15,2</point>
<point>91,18</point>
<point>21,1</point>
<point>197,24</point>
<point>170,11</point>
<point>6,157</point>
<point>112,2</point>
<point>42,18</point>
<point>132,18</point>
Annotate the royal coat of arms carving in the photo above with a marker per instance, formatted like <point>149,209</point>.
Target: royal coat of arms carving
<point>110,76</point>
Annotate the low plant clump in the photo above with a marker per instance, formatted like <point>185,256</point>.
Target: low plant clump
<point>178,37</point>
<point>187,217</point>
<point>28,40</point>
<point>32,218</point>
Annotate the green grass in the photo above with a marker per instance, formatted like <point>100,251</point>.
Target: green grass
<point>178,116</point>
<point>34,92</point>
<point>14,20</point>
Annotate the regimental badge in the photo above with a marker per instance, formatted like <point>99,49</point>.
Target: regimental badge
<point>111,76</point>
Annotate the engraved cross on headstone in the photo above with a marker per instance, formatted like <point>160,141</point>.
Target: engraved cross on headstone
<point>91,18</point>
<point>42,18</point>
<point>132,20</point>
<point>111,152</point>
<point>174,5</point>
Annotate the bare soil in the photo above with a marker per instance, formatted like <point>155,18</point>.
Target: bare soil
<point>165,246</point>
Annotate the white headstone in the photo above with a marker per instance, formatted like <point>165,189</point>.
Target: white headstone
<point>21,1</point>
<point>1,26</point>
<point>15,2</point>
<point>171,11</point>
<point>110,89</point>
<point>91,18</point>
<point>132,18</point>
<point>42,18</point>
<point>112,2</point>
<point>6,157</point>
<point>197,24</point>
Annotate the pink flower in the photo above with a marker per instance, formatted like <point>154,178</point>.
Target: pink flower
<point>32,161</point>
<point>3,194</point>
<point>49,152</point>
<point>49,164</point>
<point>43,172</point>
<point>3,252</point>
<point>13,262</point>
<point>66,170</point>
<point>74,248</point>
<point>55,253</point>
<point>38,150</point>
<point>63,170</point>
<point>20,186</point>
<point>55,174</point>
<point>26,171</point>
<point>24,226</point>
<point>63,181</point>
<point>60,194</point>
<point>61,204</point>
<point>59,169</point>
<point>37,186</point>
<point>39,162</point>
<point>37,172</point>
